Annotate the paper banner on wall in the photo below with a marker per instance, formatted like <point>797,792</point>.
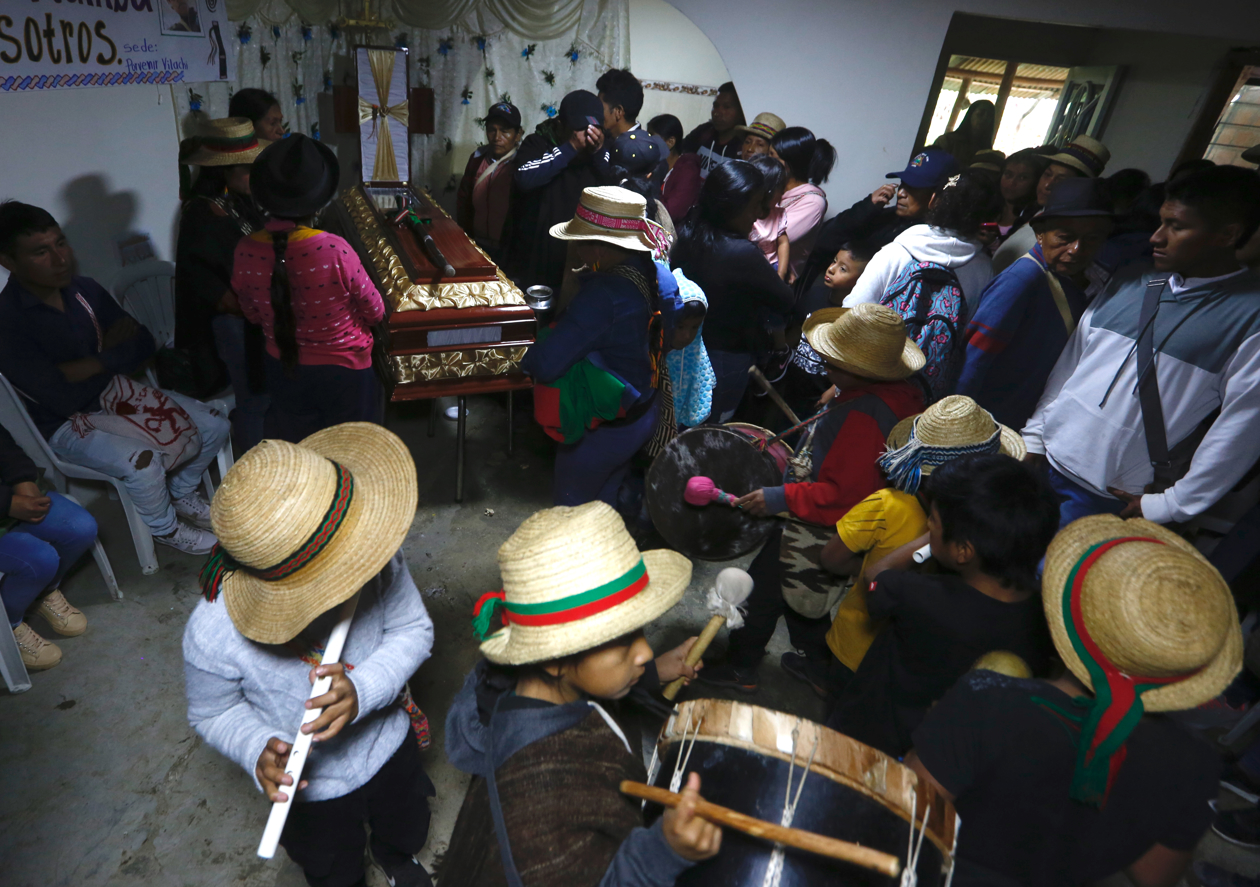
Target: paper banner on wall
<point>113,43</point>
<point>383,114</point>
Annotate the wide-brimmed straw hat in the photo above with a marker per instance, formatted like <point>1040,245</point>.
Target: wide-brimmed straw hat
<point>227,141</point>
<point>953,427</point>
<point>868,340</point>
<point>574,579</point>
<point>1084,154</point>
<point>1151,603</point>
<point>295,177</point>
<point>613,215</point>
<point>1144,621</point>
<point>302,527</point>
<point>765,125</point>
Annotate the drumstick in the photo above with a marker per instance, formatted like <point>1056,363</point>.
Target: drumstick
<point>302,744</point>
<point>867,857</point>
<point>730,589</point>
<point>772,394</point>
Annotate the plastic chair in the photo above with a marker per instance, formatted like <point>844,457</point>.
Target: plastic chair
<point>146,291</point>
<point>17,420</point>
<point>12,668</point>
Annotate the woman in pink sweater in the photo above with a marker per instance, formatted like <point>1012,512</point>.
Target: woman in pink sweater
<point>309,292</point>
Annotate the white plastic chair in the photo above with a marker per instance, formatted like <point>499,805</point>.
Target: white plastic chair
<point>17,420</point>
<point>146,291</point>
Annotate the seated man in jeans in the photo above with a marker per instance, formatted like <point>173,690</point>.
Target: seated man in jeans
<point>64,342</point>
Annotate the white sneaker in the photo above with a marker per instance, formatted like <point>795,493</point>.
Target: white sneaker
<point>189,539</point>
<point>193,509</point>
<point>452,413</point>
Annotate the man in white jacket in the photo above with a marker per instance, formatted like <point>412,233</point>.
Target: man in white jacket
<point>1088,424</point>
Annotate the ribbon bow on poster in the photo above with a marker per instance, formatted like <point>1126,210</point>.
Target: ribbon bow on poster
<point>385,163</point>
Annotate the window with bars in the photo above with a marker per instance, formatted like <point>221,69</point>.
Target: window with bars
<point>1238,127</point>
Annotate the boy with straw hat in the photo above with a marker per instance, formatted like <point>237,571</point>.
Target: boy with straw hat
<point>529,725</point>
<point>869,362</point>
<point>883,530</point>
<point>302,528</point>
<point>1069,780</point>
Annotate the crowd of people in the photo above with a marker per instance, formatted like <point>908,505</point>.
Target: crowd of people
<point>1021,379</point>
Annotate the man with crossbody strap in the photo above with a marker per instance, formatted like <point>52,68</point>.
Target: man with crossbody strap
<point>1182,340</point>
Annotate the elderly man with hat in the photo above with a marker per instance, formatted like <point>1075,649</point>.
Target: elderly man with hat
<point>219,211</point>
<point>1073,780</point>
<point>1029,310</point>
<point>303,529</point>
<point>869,361</point>
<point>560,158</point>
<point>1083,157</point>
<point>872,220</point>
<point>759,134</point>
<point>596,371</point>
<point>481,205</point>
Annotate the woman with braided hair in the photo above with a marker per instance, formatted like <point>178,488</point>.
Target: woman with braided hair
<point>309,292</point>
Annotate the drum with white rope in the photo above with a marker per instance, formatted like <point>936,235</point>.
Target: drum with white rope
<point>792,772</point>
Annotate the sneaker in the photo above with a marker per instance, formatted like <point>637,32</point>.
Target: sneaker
<point>64,619</point>
<point>37,653</point>
<point>401,870</point>
<point>189,539</point>
<point>1204,874</point>
<point>1241,783</point>
<point>193,509</point>
<point>1241,827</point>
<point>452,413</point>
<point>727,676</point>
<point>801,668</point>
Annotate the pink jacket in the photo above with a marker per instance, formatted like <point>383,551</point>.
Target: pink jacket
<point>798,214</point>
<point>334,301</point>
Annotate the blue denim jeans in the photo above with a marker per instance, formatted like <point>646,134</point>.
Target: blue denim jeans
<point>1076,502</point>
<point>247,417</point>
<point>151,488</point>
<point>34,557</point>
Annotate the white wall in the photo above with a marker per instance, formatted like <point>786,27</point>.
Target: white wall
<point>665,45</point>
<point>859,73</point>
<point>102,161</point>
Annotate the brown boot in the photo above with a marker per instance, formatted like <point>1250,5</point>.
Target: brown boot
<point>37,653</point>
<point>64,619</point>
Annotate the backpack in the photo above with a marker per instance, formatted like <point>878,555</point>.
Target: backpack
<point>931,301</point>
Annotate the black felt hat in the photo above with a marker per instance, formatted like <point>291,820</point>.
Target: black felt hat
<point>294,177</point>
<point>1077,197</point>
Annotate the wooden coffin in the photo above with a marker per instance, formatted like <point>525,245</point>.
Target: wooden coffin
<point>445,334</point>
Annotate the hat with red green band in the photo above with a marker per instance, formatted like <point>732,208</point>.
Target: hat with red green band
<point>574,579</point>
<point>1145,622</point>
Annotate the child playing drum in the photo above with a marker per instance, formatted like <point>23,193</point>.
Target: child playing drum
<point>544,806</point>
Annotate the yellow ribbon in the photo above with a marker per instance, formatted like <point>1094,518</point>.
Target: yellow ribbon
<point>385,165</point>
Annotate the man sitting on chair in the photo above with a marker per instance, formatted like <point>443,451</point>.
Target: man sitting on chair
<point>69,349</point>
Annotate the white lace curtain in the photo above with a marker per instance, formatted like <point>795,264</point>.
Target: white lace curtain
<point>472,53</point>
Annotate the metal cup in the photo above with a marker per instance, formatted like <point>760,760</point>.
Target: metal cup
<point>540,298</point>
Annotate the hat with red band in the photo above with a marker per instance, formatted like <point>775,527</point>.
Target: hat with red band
<point>765,126</point>
<point>574,579</point>
<point>227,141</point>
<point>613,215</point>
<point>1142,619</point>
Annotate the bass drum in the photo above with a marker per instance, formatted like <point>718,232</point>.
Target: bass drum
<point>736,458</point>
<point>753,760</point>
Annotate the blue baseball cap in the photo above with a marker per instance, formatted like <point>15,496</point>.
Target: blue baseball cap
<point>930,168</point>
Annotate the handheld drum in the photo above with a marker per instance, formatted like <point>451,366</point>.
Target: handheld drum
<point>792,772</point>
<point>735,457</point>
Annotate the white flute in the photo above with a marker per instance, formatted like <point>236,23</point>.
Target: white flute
<point>922,554</point>
<point>302,744</point>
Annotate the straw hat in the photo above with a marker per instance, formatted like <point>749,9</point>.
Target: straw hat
<point>867,340</point>
<point>227,141</point>
<point>1152,604</point>
<point>613,215</point>
<point>298,534</point>
<point>955,422</point>
<point>1084,154</point>
<point>574,579</point>
<point>765,126</point>
<point>988,158</point>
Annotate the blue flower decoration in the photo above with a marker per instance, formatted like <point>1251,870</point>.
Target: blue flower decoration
<point>467,96</point>
<point>549,110</point>
<point>275,32</point>
<point>315,130</point>
<point>481,43</point>
<point>445,46</point>
<point>244,32</point>
<point>306,33</point>
<point>334,32</point>
<point>528,50</point>
<point>328,83</point>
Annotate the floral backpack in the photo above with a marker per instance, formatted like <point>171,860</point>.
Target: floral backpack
<point>931,301</point>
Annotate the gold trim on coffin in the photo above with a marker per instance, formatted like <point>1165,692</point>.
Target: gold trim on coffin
<point>402,294</point>
<point>407,368</point>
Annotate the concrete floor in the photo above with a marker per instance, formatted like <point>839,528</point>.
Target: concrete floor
<point>103,781</point>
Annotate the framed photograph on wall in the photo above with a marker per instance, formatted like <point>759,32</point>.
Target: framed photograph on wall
<point>180,18</point>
